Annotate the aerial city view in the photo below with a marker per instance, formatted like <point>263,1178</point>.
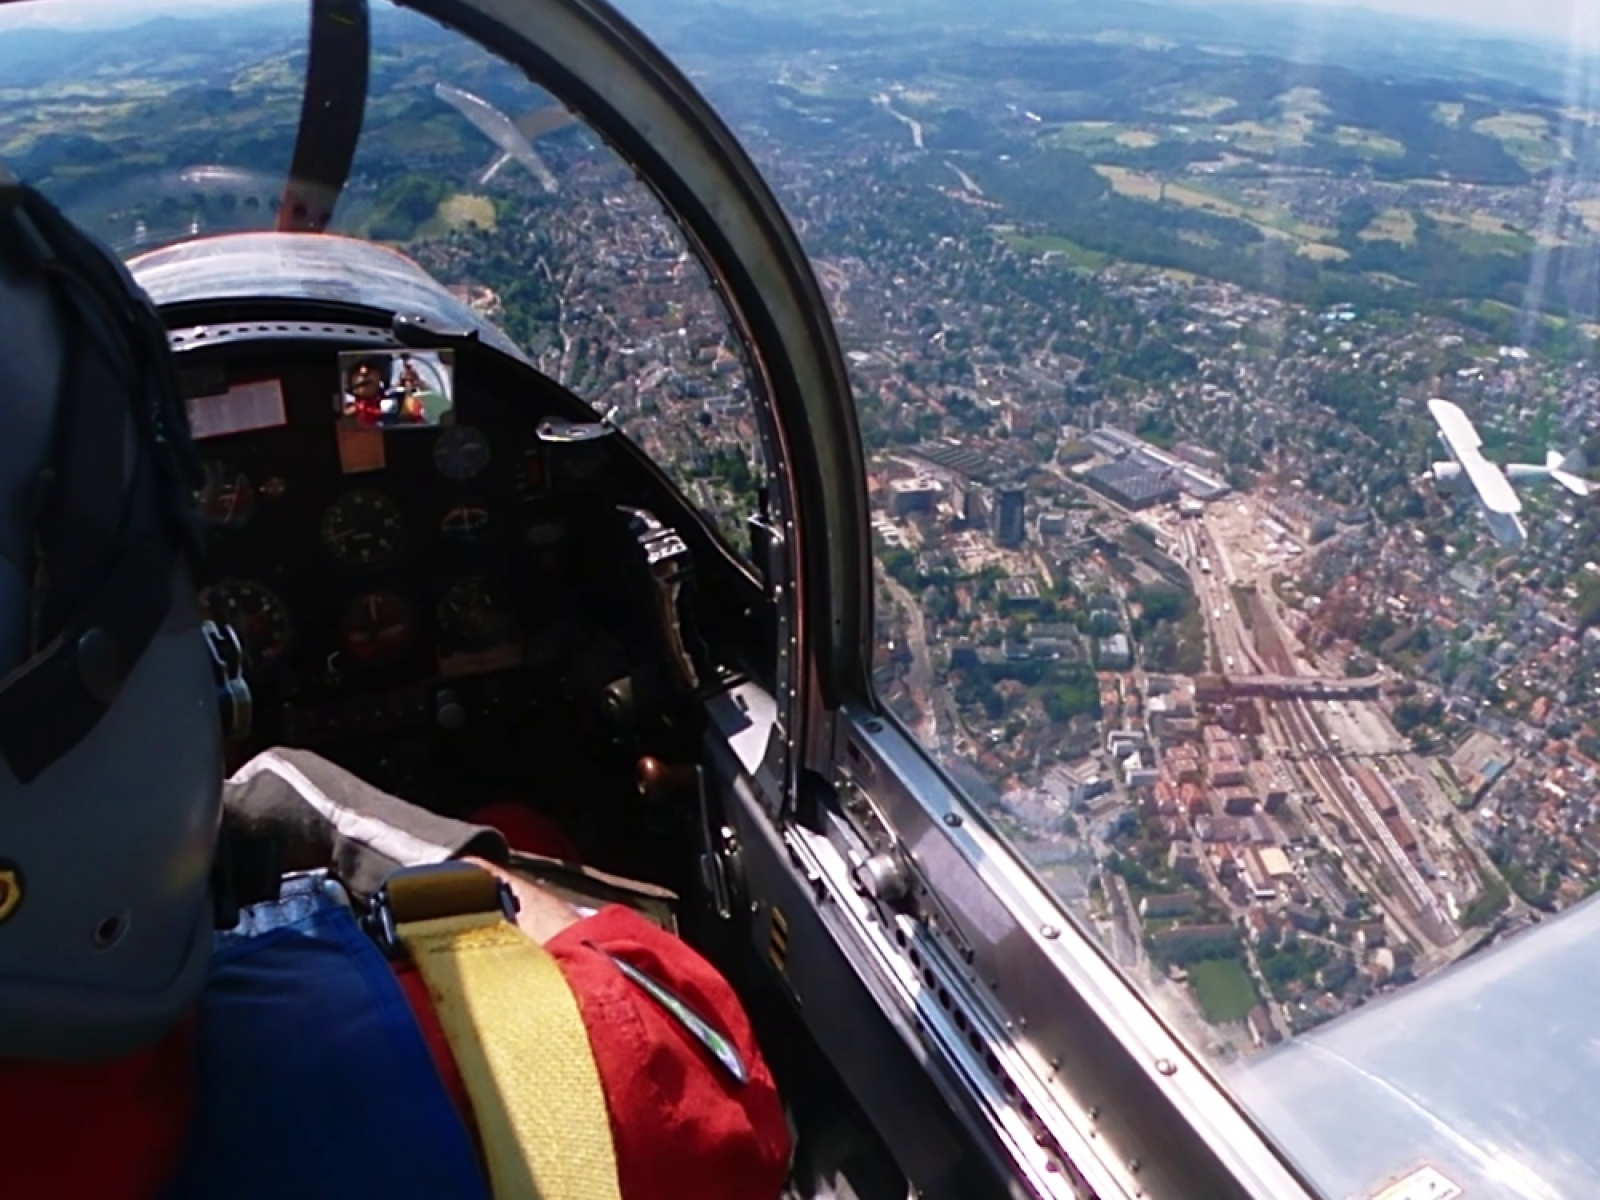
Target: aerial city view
<point>1228,631</point>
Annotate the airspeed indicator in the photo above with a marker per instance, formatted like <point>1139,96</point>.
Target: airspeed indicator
<point>461,453</point>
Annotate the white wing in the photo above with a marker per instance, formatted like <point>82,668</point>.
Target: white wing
<point>1494,489</point>
<point>499,129</point>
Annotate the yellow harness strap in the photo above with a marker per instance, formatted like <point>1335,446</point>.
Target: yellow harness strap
<point>516,1033</point>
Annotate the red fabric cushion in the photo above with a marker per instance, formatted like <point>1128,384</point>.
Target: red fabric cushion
<point>113,1131</point>
<point>681,1128</point>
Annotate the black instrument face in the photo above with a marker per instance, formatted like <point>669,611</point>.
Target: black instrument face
<point>256,615</point>
<point>475,616</point>
<point>228,497</point>
<point>461,453</point>
<point>465,524</point>
<point>378,628</point>
<point>363,529</point>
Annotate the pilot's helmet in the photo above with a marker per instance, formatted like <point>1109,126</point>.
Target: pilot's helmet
<point>371,370</point>
<point>110,744</point>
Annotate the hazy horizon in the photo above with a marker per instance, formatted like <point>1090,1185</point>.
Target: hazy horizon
<point>1563,20</point>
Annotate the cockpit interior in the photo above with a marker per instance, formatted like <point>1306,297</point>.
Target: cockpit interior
<point>504,602</point>
<point>535,475</point>
<point>494,604</point>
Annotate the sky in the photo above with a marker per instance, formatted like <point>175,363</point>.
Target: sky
<point>98,14</point>
<point>1561,19</point>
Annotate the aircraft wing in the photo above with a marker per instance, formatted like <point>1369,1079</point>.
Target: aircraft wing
<point>1472,1073</point>
<point>1493,488</point>
<point>543,121</point>
<point>499,129</point>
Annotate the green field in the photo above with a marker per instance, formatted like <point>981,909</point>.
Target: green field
<point>1391,225</point>
<point>1041,244</point>
<point>1527,137</point>
<point>465,209</point>
<point>1091,137</point>
<point>1223,989</point>
<point>1481,233</point>
<point>1369,142</point>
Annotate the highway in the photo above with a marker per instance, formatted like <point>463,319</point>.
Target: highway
<point>1211,571</point>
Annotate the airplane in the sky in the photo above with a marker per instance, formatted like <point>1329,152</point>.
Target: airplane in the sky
<point>514,138</point>
<point>1496,496</point>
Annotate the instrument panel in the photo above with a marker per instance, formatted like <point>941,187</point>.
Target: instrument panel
<point>363,561</point>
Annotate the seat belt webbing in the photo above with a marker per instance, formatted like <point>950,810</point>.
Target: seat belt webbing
<point>519,1041</point>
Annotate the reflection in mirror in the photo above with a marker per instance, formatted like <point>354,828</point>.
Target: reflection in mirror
<point>412,389</point>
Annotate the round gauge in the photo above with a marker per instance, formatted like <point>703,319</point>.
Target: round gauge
<point>362,528</point>
<point>461,453</point>
<point>465,524</point>
<point>256,614</point>
<point>474,615</point>
<point>227,499</point>
<point>377,628</point>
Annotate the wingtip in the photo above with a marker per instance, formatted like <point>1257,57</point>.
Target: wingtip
<point>1578,487</point>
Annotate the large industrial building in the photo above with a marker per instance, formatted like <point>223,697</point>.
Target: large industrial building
<point>1126,448</point>
<point>1132,484</point>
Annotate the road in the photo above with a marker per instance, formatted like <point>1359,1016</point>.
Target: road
<point>1127,929</point>
<point>920,679</point>
<point>1252,961</point>
<point>914,125</point>
<point>967,181</point>
<point>1211,572</point>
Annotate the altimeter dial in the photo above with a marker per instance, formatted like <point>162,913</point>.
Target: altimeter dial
<point>363,528</point>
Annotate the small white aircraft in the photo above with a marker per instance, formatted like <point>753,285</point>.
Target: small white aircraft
<point>1496,497</point>
<point>513,138</point>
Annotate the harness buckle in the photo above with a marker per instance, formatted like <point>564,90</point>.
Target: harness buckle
<point>431,892</point>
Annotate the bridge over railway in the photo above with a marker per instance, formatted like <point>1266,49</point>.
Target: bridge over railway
<point>1291,687</point>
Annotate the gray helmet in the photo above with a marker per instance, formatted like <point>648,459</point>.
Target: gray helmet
<point>110,745</point>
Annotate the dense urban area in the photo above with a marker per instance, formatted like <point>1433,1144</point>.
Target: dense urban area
<point>1142,370</point>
